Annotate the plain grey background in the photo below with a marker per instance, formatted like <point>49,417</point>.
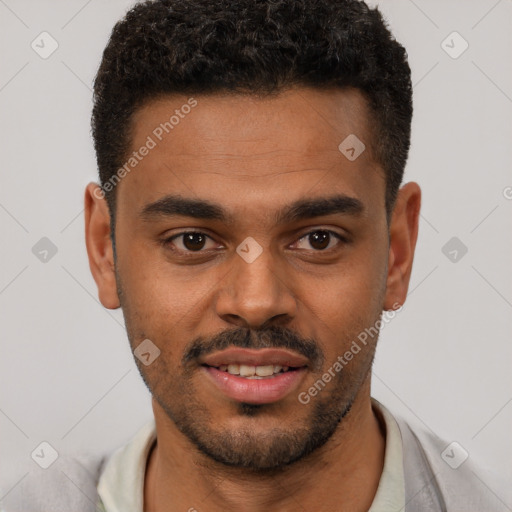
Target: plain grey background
<point>67,374</point>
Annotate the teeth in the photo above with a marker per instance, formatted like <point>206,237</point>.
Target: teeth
<point>253,372</point>
<point>264,371</point>
<point>247,371</point>
<point>234,369</point>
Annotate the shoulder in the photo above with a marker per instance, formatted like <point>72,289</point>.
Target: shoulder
<point>68,484</point>
<point>443,475</point>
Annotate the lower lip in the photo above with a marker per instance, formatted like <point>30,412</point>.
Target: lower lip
<point>255,391</point>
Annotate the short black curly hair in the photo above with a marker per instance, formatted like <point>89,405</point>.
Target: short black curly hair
<point>258,47</point>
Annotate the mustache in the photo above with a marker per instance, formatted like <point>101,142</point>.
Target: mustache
<point>271,337</point>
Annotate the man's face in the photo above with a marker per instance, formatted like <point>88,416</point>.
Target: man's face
<point>257,268</point>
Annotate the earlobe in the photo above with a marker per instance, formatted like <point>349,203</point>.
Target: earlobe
<point>403,233</point>
<point>99,245</point>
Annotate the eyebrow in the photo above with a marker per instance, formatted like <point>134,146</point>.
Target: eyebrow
<point>178,206</point>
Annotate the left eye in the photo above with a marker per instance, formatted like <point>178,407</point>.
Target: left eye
<point>320,240</point>
<point>193,241</point>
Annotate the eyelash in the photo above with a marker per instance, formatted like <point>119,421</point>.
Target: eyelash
<point>343,240</point>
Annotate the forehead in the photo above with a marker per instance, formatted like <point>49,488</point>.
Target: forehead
<point>244,150</point>
<point>300,117</point>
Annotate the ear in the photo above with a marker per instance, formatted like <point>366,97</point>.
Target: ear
<point>99,245</point>
<point>403,233</point>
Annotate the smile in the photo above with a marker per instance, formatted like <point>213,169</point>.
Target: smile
<point>256,376</point>
<point>254,372</point>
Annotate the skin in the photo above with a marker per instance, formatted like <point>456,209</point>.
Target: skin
<point>254,156</point>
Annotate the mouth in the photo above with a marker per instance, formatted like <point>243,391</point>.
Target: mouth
<point>254,372</point>
<point>255,376</point>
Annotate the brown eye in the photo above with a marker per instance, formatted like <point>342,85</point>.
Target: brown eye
<point>320,240</point>
<point>194,241</point>
<point>190,241</point>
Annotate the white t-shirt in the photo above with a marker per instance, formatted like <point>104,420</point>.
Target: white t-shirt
<point>121,485</point>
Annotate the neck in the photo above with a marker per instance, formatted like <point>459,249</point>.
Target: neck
<point>345,472</point>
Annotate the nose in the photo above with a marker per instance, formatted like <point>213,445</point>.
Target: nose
<point>256,293</point>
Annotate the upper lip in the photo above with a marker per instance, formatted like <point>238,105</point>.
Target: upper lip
<point>255,357</point>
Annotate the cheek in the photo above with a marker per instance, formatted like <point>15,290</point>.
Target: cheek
<point>348,303</point>
<point>164,303</point>
<point>356,287</point>
<point>155,286</point>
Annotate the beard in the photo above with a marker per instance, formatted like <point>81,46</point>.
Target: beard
<point>250,446</point>
<point>247,447</point>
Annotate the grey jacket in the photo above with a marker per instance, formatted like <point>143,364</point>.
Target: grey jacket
<point>431,484</point>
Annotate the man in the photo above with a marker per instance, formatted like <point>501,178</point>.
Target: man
<point>251,225</point>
